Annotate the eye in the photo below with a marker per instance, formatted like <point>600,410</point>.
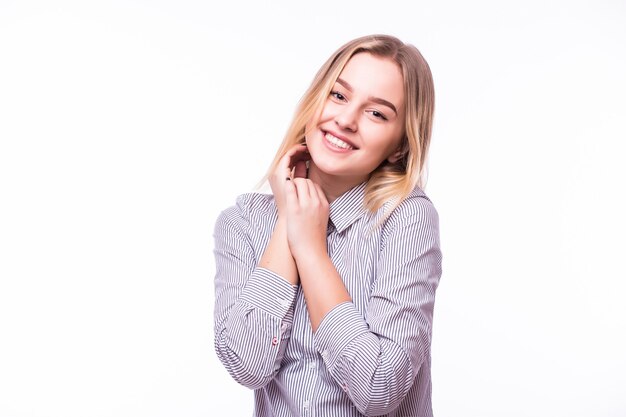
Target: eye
<point>378,115</point>
<point>338,95</point>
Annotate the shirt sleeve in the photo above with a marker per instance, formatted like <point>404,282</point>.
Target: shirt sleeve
<point>253,305</point>
<point>376,359</point>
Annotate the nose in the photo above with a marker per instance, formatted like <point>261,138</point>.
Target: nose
<point>347,118</point>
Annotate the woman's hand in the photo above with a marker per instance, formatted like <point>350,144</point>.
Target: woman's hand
<point>277,256</point>
<point>292,165</point>
<point>307,222</point>
<point>307,217</point>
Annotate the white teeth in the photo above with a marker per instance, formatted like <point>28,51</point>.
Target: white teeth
<point>337,142</point>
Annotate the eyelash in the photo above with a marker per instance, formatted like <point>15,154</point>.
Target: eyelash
<point>337,95</point>
<point>380,115</point>
<point>341,97</point>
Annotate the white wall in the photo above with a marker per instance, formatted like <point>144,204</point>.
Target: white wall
<point>126,126</point>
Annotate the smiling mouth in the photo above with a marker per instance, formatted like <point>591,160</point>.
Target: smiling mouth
<point>333,140</point>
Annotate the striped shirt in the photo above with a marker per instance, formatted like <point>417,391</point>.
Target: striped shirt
<point>370,356</point>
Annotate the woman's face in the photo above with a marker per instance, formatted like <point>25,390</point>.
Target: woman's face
<point>362,122</point>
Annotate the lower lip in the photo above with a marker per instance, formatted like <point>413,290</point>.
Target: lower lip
<point>333,147</point>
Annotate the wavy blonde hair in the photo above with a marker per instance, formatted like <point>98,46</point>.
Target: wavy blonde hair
<point>389,181</point>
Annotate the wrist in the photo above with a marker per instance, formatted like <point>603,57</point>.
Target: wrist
<point>309,253</point>
<point>281,224</point>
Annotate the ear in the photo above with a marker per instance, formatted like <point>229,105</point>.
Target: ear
<point>395,157</point>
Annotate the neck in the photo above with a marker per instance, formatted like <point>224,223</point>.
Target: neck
<point>333,186</point>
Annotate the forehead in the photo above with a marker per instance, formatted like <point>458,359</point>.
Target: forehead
<point>375,76</point>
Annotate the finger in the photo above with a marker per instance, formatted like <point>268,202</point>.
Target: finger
<point>302,190</point>
<point>315,199</point>
<point>289,159</point>
<point>319,193</point>
<point>298,153</point>
<point>291,196</point>
<point>283,170</point>
<point>300,170</point>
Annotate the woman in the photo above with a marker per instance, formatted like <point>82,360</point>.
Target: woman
<point>325,289</point>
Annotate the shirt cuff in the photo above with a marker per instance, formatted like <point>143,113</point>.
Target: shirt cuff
<point>341,325</point>
<point>269,292</point>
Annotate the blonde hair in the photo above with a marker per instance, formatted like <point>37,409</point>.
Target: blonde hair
<point>389,181</point>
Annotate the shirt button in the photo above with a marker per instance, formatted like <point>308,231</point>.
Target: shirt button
<point>283,327</point>
<point>274,341</point>
<point>305,404</point>
<point>312,365</point>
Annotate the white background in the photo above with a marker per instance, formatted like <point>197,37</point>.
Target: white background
<point>126,126</point>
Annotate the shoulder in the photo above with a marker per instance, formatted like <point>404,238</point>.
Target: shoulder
<point>416,204</point>
<point>248,208</point>
<point>416,208</point>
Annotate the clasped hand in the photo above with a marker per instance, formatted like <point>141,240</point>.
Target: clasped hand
<point>301,204</point>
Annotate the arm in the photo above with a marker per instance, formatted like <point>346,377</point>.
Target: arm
<point>377,359</point>
<point>307,217</point>
<point>253,305</point>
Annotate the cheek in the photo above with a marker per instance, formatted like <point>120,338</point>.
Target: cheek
<point>395,137</point>
<point>317,119</point>
<point>329,111</point>
<point>388,145</point>
<point>312,136</point>
<point>385,137</point>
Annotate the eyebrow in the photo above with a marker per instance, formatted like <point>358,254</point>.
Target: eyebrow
<point>378,100</point>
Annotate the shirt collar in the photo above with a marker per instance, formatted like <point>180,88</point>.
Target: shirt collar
<point>348,207</point>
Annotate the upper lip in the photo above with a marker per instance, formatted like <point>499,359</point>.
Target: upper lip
<point>343,138</point>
